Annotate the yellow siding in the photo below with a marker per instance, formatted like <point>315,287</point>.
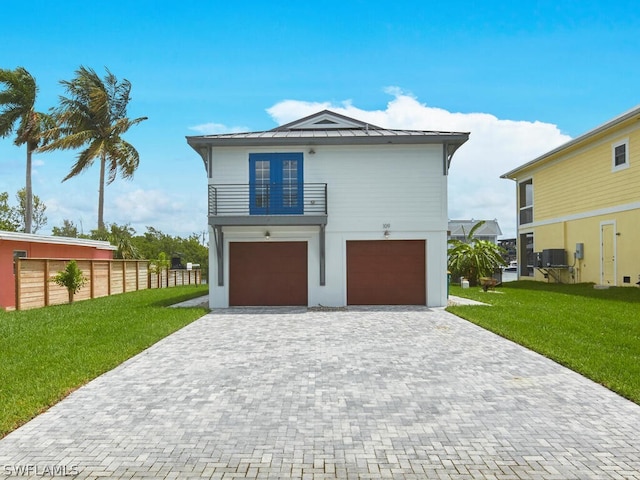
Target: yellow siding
<point>572,189</point>
<point>565,235</point>
<point>584,180</point>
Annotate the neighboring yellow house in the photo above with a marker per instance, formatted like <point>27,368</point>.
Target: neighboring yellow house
<point>579,208</point>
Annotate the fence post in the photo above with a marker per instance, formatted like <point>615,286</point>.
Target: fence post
<point>46,282</point>
<point>92,278</point>
<point>17,275</point>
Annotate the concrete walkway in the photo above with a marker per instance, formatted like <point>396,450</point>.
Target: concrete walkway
<point>403,393</point>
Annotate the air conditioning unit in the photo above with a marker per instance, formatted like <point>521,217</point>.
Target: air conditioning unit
<point>553,257</point>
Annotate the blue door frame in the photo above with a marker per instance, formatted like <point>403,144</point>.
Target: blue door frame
<point>275,184</point>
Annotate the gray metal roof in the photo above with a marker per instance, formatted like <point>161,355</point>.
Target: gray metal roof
<point>462,227</point>
<point>358,133</point>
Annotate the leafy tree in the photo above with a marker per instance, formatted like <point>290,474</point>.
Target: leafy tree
<point>9,218</point>
<point>17,111</point>
<point>68,229</point>
<point>39,219</point>
<point>93,116</point>
<point>71,278</point>
<point>158,265</point>
<point>120,236</point>
<point>473,258</point>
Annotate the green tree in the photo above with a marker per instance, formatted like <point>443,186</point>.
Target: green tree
<point>17,112</point>
<point>71,278</point>
<point>38,219</point>
<point>9,218</point>
<point>68,229</point>
<point>473,258</point>
<point>93,116</point>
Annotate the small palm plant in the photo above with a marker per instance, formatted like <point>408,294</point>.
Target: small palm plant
<point>473,258</point>
<point>71,278</point>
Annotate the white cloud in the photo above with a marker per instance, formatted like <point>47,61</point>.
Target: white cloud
<point>216,128</point>
<point>495,146</point>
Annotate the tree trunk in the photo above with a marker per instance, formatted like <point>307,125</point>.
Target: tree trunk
<point>28,197</point>
<point>103,161</point>
<point>70,291</point>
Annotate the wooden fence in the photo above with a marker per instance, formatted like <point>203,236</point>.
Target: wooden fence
<point>35,289</point>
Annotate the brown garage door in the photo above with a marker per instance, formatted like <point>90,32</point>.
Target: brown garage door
<point>386,272</point>
<point>267,273</point>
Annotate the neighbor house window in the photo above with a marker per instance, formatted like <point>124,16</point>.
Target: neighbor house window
<point>18,254</point>
<point>620,155</point>
<point>525,199</point>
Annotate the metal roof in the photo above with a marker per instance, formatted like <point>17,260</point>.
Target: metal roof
<point>357,133</point>
<point>463,227</point>
<point>30,237</point>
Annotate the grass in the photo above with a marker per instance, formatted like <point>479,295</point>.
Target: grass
<point>593,332</point>
<point>47,353</point>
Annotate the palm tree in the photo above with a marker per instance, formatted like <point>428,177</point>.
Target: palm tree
<point>473,257</point>
<point>17,102</point>
<point>93,116</point>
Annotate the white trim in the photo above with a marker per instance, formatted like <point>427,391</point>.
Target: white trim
<point>615,252</point>
<point>583,215</point>
<point>79,242</point>
<point>518,184</point>
<point>622,166</point>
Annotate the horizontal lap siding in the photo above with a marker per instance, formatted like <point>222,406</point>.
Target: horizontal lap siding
<point>584,180</point>
<point>371,186</point>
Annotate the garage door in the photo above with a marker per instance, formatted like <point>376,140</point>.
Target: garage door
<point>267,273</point>
<point>386,272</point>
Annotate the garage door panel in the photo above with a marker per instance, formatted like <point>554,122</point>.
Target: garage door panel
<point>267,273</point>
<point>386,272</point>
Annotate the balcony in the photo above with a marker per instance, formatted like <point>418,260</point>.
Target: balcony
<point>268,204</point>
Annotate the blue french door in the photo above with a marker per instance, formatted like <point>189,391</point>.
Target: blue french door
<point>275,183</point>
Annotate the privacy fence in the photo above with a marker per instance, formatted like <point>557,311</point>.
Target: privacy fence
<point>35,289</point>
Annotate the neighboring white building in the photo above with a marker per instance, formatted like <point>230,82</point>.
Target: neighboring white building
<point>328,210</point>
<point>489,230</point>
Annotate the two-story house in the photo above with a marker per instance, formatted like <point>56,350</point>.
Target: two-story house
<point>579,207</point>
<point>489,230</point>
<point>328,210</point>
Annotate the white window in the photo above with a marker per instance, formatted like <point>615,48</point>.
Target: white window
<point>525,199</point>
<point>620,155</point>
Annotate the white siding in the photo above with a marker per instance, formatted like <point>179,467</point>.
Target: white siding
<point>368,187</point>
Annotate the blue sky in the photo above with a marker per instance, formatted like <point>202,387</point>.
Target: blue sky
<point>522,77</point>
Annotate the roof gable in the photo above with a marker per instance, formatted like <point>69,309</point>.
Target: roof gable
<point>325,120</point>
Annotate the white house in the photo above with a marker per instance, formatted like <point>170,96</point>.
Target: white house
<point>328,210</point>
<point>489,230</point>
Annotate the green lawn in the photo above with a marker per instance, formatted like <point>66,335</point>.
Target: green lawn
<point>47,353</point>
<point>594,332</point>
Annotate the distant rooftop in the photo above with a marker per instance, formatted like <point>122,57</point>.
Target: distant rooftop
<point>31,237</point>
<point>459,228</point>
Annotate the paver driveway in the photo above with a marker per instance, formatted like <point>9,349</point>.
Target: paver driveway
<point>363,393</point>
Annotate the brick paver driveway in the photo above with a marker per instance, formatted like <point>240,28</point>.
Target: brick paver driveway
<point>363,393</point>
